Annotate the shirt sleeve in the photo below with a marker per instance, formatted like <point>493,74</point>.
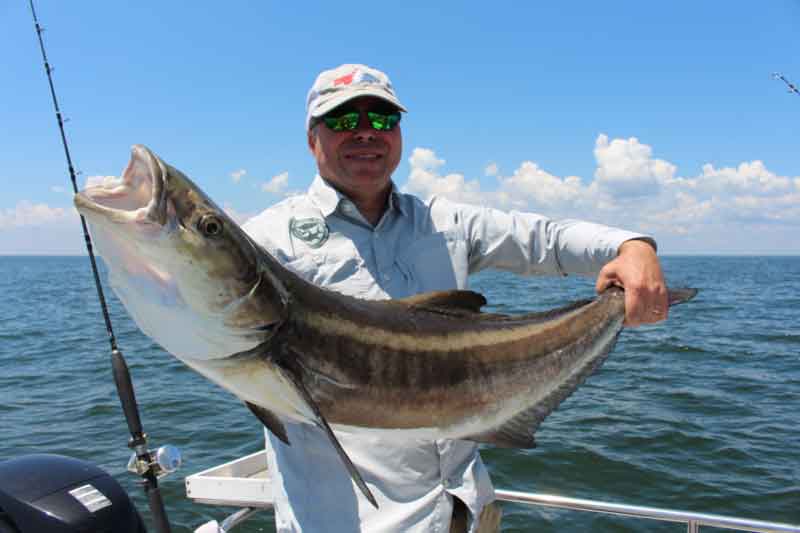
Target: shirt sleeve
<point>528,243</point>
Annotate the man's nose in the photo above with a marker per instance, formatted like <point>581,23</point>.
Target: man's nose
<point>364,132</point>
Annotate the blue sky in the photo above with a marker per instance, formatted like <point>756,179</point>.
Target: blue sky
<point>660,117</point>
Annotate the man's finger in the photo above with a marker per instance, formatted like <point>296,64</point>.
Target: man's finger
<point>645,307</point>
<point>606,278</point>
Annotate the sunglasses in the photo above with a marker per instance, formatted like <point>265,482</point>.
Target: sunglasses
<point>340,120</point>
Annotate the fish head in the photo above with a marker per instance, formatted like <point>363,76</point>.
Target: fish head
<point>185,271</point>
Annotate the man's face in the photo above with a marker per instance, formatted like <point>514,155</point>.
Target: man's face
<point>359,162</point>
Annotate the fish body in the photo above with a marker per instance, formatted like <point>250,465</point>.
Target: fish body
<point>430,366</point>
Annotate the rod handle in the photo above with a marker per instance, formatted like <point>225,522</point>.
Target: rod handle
<point>122,378</point>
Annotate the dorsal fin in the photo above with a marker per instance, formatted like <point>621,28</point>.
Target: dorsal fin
<point>455,300</point>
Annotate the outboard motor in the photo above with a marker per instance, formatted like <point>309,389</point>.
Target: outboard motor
<point>45,493</point>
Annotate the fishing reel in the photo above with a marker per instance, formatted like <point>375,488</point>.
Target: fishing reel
<point>165,461</point>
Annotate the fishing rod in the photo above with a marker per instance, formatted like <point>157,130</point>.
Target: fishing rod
<point>148,467</point>
<point>791,86</point>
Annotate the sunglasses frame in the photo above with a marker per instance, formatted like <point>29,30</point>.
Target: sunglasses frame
<point>337,121</point>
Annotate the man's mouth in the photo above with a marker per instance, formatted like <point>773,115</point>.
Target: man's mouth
<point>363,157</point>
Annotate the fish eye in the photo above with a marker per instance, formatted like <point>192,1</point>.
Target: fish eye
<point>210,225</point>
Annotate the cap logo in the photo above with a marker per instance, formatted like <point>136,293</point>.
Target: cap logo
<point>347,79</point>
<point>312,231</point>
<point>367,78</point>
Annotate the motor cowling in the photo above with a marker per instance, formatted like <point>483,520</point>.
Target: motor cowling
<point>46,493</point>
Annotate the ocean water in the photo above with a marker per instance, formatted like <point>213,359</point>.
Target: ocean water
<point>699,413</point>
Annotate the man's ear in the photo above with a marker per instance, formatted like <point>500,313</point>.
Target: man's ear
<point>312,139</point>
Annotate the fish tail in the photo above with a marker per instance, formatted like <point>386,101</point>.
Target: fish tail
<point>679,296</point>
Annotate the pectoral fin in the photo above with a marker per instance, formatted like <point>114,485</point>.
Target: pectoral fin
<point>322,424</point>
<point>270,421</point>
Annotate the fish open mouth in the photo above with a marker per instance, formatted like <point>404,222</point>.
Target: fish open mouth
<point>137,196</point>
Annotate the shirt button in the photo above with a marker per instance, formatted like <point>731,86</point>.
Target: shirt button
<point>387,277</point>
<point>446,483</point>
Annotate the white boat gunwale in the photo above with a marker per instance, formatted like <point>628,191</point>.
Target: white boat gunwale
<point>244,482</point>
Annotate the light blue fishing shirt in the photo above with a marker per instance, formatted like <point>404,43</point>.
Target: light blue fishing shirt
<point>416,247</point>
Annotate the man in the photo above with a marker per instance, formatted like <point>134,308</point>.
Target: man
<point>355,233</point>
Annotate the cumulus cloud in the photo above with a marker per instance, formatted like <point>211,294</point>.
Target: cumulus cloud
<point>425,180</point>
<point>747,178</point>
<point>626,167</point>
<point>533,186</point>
<point>634,189</point>
<point>277,184</point>
<point>37,228</point>
<point>237,175</point>
<point>425,159</point>
<point>30,214</point>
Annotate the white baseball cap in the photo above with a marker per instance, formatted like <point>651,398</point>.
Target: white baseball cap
<point>334,87</point>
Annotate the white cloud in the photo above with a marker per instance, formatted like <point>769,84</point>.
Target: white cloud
<point>530,184</point>
<point>491,170</point>
<point>237,175</point>
<point>425,181</point>
<point>749,178</point>
<point>29,214</point>
<point>626,167</point>
<point>425,159</point>
<point>699,212</point>
<point>277,184</point>
<point>37,228</point>
<point>57,189</point>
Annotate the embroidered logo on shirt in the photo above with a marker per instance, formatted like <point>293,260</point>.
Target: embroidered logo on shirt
<point>312,231</point>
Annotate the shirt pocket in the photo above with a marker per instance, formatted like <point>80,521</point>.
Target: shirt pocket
<point>435,262</point>
<point>338,265</point>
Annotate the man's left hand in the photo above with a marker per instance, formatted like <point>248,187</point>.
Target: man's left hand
<point>637,270</point>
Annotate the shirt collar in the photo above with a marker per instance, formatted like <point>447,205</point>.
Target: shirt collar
<point>327,198</point>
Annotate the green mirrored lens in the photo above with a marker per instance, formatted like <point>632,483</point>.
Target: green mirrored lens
<point>383,122</point>
<point>348,121</point>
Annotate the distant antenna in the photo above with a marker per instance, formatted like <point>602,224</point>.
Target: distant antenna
<point>791,86</point>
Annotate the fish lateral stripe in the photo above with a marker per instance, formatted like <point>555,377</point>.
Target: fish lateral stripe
<point>499,333</point>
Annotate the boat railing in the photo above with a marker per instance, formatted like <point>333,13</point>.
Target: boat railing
<point>245,483</point>
<point>692,520</point>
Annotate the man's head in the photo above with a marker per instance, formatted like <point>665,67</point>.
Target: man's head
<point>353,132</point>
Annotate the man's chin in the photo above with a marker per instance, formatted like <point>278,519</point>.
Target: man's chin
<point>372,172</point>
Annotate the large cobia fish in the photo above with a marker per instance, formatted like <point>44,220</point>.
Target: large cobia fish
<point>428,366</point>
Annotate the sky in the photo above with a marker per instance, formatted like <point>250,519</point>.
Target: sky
<point>660,117</point>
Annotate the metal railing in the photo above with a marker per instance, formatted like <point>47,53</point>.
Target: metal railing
<point>693,521</point>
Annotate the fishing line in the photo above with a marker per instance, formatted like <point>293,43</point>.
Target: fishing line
<point>122,378</point>
<point>789,85</point>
